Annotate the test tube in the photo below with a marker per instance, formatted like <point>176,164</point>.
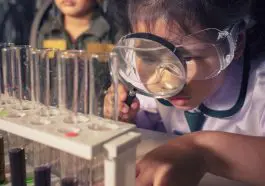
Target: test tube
<point>97,170</point>
<point>74,170</point>
<point>2,161</point>
<point>22,75</point>
<point>99,82</point>
<point>114,64</point>
<point>2,58</point>
<point>44,84</point>
<point>17,166</point>
<point>17,79</point>
<point>68,181</point>
<point>72,68</point>
<point>42,176</point>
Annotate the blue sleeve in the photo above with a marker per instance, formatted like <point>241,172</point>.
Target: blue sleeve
<point>150,121</point>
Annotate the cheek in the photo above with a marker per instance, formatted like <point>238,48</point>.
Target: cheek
<point>201,90</point>
<point>58,3</point>
<point>207,86</point>
<point>200,69</point>
<point>85,4</point>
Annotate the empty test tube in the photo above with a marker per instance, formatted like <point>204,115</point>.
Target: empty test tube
<point>17,166</point>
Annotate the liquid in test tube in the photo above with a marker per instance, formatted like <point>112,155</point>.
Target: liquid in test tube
<point>42,176</point>
<point>17,166</point>
<point>69,181</point>
<point>2,161</point>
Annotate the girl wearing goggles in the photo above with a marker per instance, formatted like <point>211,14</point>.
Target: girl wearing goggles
<point>199,64</point>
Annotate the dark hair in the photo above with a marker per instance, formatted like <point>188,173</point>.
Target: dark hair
<point>185,14</point>
<point>117,13</point>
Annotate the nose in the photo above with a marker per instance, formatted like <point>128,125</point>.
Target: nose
<point>185,93</point>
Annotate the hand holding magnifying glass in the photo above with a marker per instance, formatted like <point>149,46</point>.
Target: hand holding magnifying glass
<point>129,105</point>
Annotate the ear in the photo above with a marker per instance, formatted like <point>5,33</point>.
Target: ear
<point>240,47</point>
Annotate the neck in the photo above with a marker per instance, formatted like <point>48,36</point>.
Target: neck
<point>75,26</point>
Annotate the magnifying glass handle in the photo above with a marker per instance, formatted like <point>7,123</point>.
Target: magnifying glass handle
<point>131,96</point>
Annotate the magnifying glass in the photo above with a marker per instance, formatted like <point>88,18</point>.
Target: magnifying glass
<point>149,68</point>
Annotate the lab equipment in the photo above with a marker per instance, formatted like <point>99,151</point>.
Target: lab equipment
<point>160,68</point>
<point>97,156</point>
<point>78,145</point>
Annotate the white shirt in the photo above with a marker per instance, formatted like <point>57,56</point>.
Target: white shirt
<point>249,120</point>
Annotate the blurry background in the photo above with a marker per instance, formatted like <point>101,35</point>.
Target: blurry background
<point>17,16</point>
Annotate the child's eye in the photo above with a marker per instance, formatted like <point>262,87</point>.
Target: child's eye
<point>193,58</point>
<point>188,58</point>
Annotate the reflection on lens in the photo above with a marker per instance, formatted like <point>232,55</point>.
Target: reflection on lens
<point>167,79</point>
<point>169,86</point>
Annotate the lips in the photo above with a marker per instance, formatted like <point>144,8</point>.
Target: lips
<point>181,99</point>
<point>69,2</point>
<point>183,95</point>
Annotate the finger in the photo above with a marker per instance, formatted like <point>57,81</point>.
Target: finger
<point>144,179</point>
<point>109,106</point>
<point>122,92</point>
<point>125,109</point>
<point>127,114</point>
<point>107,113</point>
<point>99,183</point>
<point>106,108</point>
<point>135,105</point>
<point>137,171</point>
<point>161,177</point>
<point>124,117</point>
<point>109,101</point>
<point>144,174</point>
<point>139,182</point>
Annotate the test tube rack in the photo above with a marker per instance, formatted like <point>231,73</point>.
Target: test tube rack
<point>112,147</point>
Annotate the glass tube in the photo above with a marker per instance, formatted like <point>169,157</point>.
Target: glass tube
<point>101,77</point>
<point>74,170</point>
<point>3,101</point>
<point>73,93</point>
<point>45,86</point>
<point>18,76</point>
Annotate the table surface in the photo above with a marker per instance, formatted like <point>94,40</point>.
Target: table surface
<point>151,140</point>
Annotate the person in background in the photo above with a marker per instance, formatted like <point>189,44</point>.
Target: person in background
<point>220,114</point>
<point>78,23</point>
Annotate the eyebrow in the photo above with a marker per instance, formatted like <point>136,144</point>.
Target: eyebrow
<point>193,52</point>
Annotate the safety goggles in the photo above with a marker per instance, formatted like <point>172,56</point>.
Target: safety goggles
<point>158,68</point>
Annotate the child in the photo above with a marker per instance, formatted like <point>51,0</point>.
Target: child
<point>78,23</point>
<point>223,91</point>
